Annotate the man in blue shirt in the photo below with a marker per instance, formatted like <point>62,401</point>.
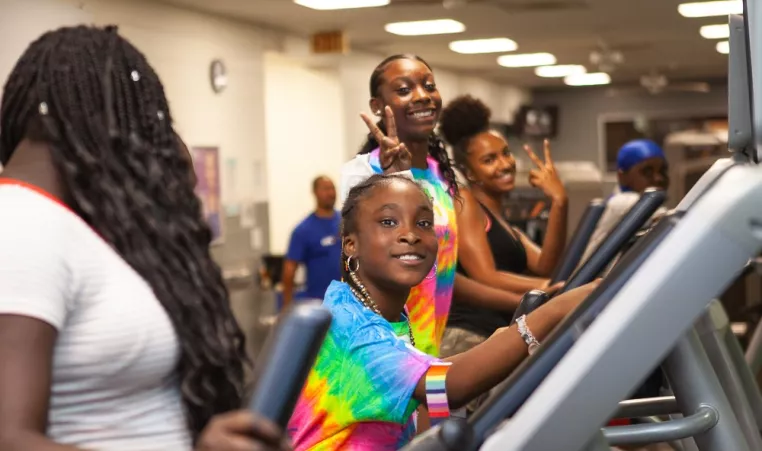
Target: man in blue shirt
<point>315,244</point>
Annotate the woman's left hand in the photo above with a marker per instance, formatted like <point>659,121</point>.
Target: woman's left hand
<point>241,430</point>
<point>545,176</point>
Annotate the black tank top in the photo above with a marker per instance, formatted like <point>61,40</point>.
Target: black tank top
<point>510,256</point>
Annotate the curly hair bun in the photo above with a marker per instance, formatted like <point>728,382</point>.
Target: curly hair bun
<point>462,118</point>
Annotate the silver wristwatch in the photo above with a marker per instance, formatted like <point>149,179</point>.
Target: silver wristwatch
<point>526,334</point>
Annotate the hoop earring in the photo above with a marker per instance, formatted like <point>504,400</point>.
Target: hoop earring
<point>434,271</point>
<point>348,264</point>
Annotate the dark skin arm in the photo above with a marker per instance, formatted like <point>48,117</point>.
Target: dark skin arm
<point>471,292</point>
<point>289,271</point>
<point>475,255</point>
<point>543,261</point>
<point>26,350</point>
<point>476,371</point>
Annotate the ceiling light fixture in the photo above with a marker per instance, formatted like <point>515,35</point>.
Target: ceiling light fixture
<point>527,60</point>
<point>597,78</point>
<point>425,27</point>
<point>325,5</point>
<point>562,70</point>
<point>715,31</point>
<point>710,9</point>
<point>492,45</point>
<point>723,47</point>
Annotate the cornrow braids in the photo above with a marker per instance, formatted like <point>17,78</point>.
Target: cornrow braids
<point>96,101</point>
<point>351,204</point>
<point>462,119</point>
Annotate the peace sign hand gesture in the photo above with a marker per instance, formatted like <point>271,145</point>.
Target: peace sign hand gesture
<point>545,176</point>
<point>394,155</point>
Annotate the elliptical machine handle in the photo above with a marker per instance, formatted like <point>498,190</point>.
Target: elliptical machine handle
<point>636,217</point>
<point>286,361</point>
<point>579,241</point>
<point>529,303</point>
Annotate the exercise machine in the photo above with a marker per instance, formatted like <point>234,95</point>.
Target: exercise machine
<point>578,243</point>
<point>697,252</point>
<point>642,314</point>
<point>286,360</point>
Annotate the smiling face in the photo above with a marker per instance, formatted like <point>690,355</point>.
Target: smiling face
<point>407,86</point>
<point>490,164</point>
<point>394,238</point>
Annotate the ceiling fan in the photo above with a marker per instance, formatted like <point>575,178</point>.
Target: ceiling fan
<point>656,83</point>
<point>508,5</point>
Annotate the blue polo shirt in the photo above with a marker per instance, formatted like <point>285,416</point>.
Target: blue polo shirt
<point>315,243</point>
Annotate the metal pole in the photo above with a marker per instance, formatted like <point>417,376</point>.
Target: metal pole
<point>711,327</point>
<point>694,383</point>
<point>598,443</point>
<point>705,418</point>
<point>749,382</point>
<point>754,350</point>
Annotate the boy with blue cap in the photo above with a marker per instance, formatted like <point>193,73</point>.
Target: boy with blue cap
<point>641,164</point>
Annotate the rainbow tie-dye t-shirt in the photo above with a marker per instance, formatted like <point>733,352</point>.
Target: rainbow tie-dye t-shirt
<point>359,393</point>
<point>429,302</point>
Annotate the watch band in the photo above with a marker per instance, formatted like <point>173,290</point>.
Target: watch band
<point>526,334</point>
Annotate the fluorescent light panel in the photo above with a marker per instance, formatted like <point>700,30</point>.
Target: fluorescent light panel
<point>491,45</point>
<point>723,47</point>
<point>597,78</point>
<point>710,9</point>
<point>715,31</point>
<point>325,5</point>
<point>562,70</point>
<point>425,27</point>
<point>527,60</point>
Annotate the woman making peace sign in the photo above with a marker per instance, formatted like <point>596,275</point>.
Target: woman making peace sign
<point>404,94</point>
<point>499,256</point>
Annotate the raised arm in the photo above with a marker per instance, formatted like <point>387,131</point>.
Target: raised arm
<point>543,261</point>
<point>475,254</point>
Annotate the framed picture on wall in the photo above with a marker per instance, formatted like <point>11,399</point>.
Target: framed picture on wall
<point>206,163</point>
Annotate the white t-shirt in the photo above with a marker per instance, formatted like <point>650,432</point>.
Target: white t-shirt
<point>112,382</point>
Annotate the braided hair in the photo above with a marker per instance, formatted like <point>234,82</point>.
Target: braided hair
<point>461,120</point>
<point>101,108</point>
<point>436,146</point>
<point>351,204</point>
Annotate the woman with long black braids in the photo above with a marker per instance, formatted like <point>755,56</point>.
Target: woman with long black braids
<point>115,327</point>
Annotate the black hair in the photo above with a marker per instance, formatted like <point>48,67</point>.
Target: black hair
<point>436,146</point>
<point>351,204</point>
<point>462,119</point>
<point>99,106</point>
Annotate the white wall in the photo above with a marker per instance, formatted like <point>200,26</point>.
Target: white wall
<point>180,45</point>
<point>283,119</point>
<point>305,138</point>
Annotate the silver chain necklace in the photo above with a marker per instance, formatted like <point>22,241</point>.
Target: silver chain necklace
<point>364,297</point>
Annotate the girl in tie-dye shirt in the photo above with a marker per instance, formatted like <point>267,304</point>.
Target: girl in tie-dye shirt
<point>403,91</point>
<point>369,378</point>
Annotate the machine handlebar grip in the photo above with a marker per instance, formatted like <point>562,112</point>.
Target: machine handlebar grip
<point>286,361</point>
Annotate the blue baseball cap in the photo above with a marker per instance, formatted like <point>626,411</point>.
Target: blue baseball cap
<point>636,151</point>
